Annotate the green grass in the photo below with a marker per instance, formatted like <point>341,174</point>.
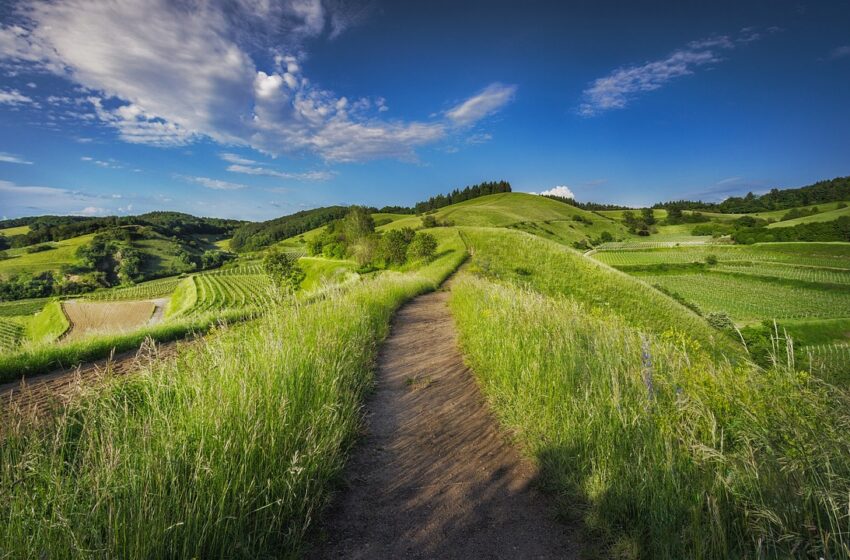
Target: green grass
<point>789,272</point>
<point>519,210</point>
<point>320,271</point>
<point>182,299</point>
<point>9,232</point>
<point>47,325</point>
<point>661,451</point>
<point>64,252</point>
<point>228,451</point>
<point>824,216</point>
<point>556,270</point>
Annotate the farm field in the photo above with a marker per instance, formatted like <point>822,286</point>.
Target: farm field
<point>9,232</point>
<point>88,318</point>
<point>144,290</point>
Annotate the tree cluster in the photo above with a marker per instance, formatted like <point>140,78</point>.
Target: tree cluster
<point>255,236</point>
<point>836,230</point>
<point>459,195</point>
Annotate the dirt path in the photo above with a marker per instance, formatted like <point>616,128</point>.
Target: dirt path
<point>433,477</point>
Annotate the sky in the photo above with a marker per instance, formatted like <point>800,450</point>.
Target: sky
<point>254,109</point>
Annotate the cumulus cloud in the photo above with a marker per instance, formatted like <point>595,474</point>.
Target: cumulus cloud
<point>619,88</point>
<point>561,190</point>
<point>196,76</point>
<point>6,157</point>
<point>215,184</point>
<point>484,103</point>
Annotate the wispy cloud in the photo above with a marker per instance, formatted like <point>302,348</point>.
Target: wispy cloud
<point>215,88</point>
<point>13,97</point>
<point>106,164</point>
<point>619,88</point>
<point>486,102</point>
<point>6,157</point>
<point>237,159</point>
<point>215,184</point>
<point>306,176</point>
<point>840,52</point>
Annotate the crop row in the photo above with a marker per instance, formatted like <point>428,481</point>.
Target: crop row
<point>824,255</point>
<point>790,272</point>
<point>241,270</point>
<point>10,335</point>
<point>745,299</point>
<point>224,291</point>
<point>21,307</point>
<point>145,290</point>
<point>631,245</point>
<point>829,358</point>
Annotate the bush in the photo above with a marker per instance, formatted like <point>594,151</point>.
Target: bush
<point>720,320</point>
<point>284,270</point>
<point>711,259</point>
<point>423,246</point>
<point>429,221</point>
<point>394,244</point>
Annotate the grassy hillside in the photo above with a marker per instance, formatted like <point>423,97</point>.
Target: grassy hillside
<point>60,253</point>
<point>19,230</point>
<point>823,216</point>
<point>534,214</point>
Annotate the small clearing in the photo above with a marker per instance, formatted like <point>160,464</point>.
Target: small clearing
<point>433,477</point>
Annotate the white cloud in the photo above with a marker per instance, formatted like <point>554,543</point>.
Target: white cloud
<point>6,157</point>
<point>106,164</point>
<point>561,190</point>
<point>194,77</point>
<point>307,176</point>
<point>92,211</point>
<point>237,159</point>
<point>484,103</point>
<point>13,97</point>
<point>215,184</point>
<point>30,200</point>
<point>618,89</point>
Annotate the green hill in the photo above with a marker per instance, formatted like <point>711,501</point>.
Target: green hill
<point>534,214</point>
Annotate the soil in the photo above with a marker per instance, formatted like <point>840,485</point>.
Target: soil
<point>88,317</point>
<point>432,476</point>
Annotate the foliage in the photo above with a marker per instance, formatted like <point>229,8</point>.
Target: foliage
<point>836,230</point>
<point>283,268</point>
<point>394,245</point>
<point>255,236</point>
<point>423,246</point>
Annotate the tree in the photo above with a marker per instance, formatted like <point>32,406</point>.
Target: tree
<point>394,245</point>
<point>648,216</point>
<point>356,224</point>
<point>429,221</point>
<point>423,246</point>
<point>284,270</point>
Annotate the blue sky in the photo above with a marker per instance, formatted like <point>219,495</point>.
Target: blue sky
<point>258,108</point>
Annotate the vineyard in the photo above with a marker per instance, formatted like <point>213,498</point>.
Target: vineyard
<point>747,299</point>
<point>22,307</point>
<point>145,290</point>
<point>11,334</point>
<point>829,359</point>
<point>811,274</point>
<point>829,255</point>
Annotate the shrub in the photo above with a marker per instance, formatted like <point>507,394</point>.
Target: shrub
<point>283,268</point>
<point>423,246</point>
<point>720,320</point>
<point>711,259</point>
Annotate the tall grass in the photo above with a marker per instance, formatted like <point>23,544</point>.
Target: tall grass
<point>227,451</point>
<point>662,450</point>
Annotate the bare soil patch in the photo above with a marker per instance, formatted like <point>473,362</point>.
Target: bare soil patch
<point>88,317</point>
<point>433,477</point>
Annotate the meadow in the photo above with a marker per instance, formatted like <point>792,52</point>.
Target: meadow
<point>229,450</point>
<point>735,460</point>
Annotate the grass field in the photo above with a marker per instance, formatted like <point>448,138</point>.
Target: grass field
<point>660,450</point>
<point>9,232</point>
<point>229,451</point>
<point>321,271</point>
<point>823,216</point>
<point>63,252</point>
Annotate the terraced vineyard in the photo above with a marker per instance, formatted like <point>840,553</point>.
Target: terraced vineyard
<point>829,359</point>
<point>748,299</point>
<point>145,290</point>
<point>789,272</point>
<point>223,291</point>
<point>830,255</point>
<point>11,334</point>
<point>22,307</point>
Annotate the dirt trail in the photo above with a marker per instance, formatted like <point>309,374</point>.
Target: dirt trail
<point>433,477</point>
